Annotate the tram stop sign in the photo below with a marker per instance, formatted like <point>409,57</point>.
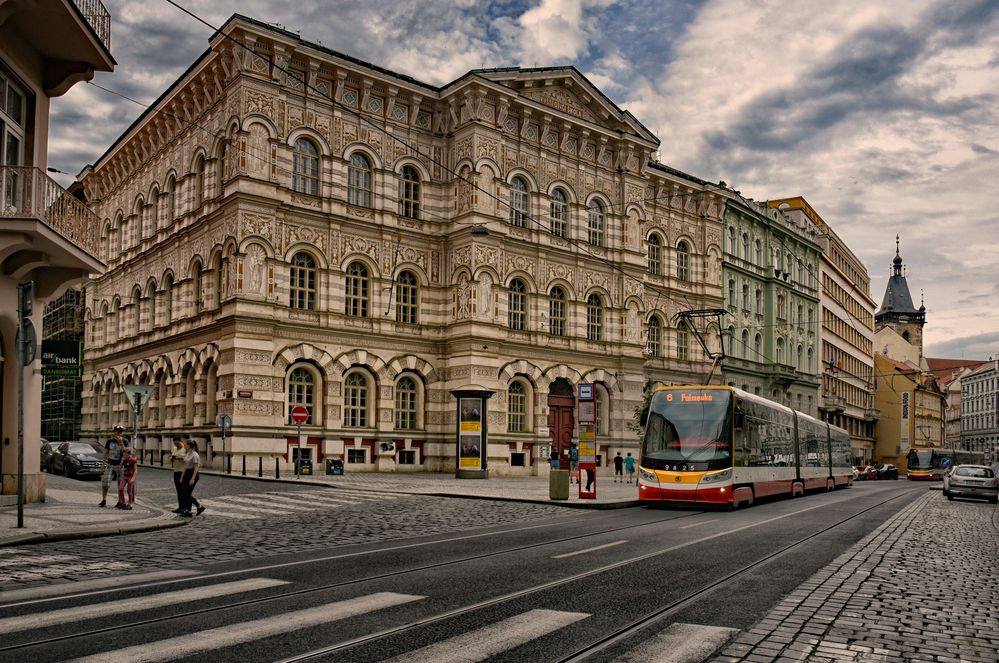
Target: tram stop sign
<point>299,414</point>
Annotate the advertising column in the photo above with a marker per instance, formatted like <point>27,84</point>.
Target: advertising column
<point>472,433</point>
<point>587,419</point>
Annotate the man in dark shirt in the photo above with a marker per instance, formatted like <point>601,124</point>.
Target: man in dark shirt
<point>113,448</point>
<point>618,468</point>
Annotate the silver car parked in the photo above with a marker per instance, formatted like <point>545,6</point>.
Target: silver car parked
<point>972,481</point>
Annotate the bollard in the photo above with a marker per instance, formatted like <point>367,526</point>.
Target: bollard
<point>277,467</point>
<point>244,465</point>
<point>229,464</point>
<point>260,466</point>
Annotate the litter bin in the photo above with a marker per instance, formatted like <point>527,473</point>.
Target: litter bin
<point>334,466</point>
<point>558,484</point>
<point>304,468</point>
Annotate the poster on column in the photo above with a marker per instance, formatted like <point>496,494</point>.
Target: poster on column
<point>470,437</point>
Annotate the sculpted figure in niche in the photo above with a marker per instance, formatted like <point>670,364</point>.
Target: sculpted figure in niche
<point>485,295</point>
<point>714,273</point>
<point>463,303</point>
<point>632,331</point>
<point>254,269</point>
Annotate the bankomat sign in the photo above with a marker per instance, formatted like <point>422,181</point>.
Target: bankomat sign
<point>61,359</point>
<point>904,418</point>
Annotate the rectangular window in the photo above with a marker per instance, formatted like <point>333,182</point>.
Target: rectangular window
<point>357,456</point>
<point>517,459</point>
<point>407,457</point>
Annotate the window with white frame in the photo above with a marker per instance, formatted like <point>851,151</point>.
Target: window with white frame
<point>780,351</point>
<point>518,202</point>
<point>655,256</point>
<point>356,291</point>
<point>301,391</point>
<point>682,345</point>
<point>13,118</point>
<point>517,306</point>
<point>595,223</point>
<point>559,213</point>
<point>594,318</point>
<point>557,311</point>
<point>359,180</point>
<point>516,407</point>
<point>409,193</point>
<point>683,261</point>
<point>305,167</point>
<point>405,403</point>
<point>654,340</point>
<point>303,281</point>
<point>406,298</point>
<point>355,401</point>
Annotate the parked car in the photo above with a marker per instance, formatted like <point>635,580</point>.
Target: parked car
<point>971,481</point>
<point>887,471</point>
<point>867,473</point>
<point>77,459</point>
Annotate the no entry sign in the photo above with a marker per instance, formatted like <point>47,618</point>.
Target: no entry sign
<point>299,414</point>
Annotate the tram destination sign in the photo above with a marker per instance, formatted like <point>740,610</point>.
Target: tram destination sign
<point>61,359</point>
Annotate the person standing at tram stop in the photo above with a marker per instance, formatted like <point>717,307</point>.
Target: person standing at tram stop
<point>573,463</point>
<point>177,463</point>
<point>629,465</point>
<point>618,468</point>
<point>192,467</point>
<point>113,448</point>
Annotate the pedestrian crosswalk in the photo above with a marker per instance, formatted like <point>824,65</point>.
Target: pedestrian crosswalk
<point>263,505</point>
<point>540,628</point>
<point>23,565</point>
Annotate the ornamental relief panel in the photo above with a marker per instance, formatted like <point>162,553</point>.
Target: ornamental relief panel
<point>561,100</point>
<point>591,279</point>
<point>312,236</point>
<point>487,147</point>
<point>463,149</point>
<point>361,245</point>
<point>256,224</point>
<point>557,271</point>
<point>461,257</point>
<point>487,255</point>
<point>253,357</point>
<point>522,263</point>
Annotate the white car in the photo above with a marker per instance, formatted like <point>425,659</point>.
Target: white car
<point>971,481</point>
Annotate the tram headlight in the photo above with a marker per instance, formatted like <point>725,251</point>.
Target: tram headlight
<point>645,475</point>
<point>717,477</point>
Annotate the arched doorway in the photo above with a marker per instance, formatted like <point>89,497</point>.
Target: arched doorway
<point>561,418</point>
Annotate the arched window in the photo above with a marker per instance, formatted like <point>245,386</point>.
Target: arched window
<point>356,291</point>
<point>303,282</point>
<point>106,241</point>
<point>407,298</point>
<point>171,201</point>
<point>359,180</point>
<point>153,224</point>
<point>220,167</point>
<point>516,407</point>
<point>744,350</point>
<point>594,318</point>
<point>655,257</point>
<point>517,308</point>
<point>759,301</point>
<point>654,341</point>
<point>797,363</point>
<point>199,181</point>
<point>731,341</point>
<point>731,292</point>
<point>781,313</point>
<point>758,347</point>
<point>405,404</point>
<point>801,314</point>
<point>409,193</point>
<point>595,224</point>
<point>150,300</point>
<point>811,361</point>
<point>196,293</point>
<point>682,344</point>
<point>305,167</point>
<point>355,401</point>
<point>745,297</point>
<point>556,311</point>
<point>168,299</point>
<point>731,241</point>
<point>302,391</point>
<point>518,202</point>
<point>745,246</point>
<point>682,262</point>
<point>560,213</point>
<point>136,322</point>
<point>218,281</point>
<point>759,252</point>
<point>780,351</point>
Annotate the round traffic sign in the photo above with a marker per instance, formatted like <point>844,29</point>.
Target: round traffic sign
<point>299,414</point>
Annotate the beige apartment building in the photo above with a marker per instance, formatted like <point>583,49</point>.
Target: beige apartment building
<point>846,334</point>
<point>47,237</point>
<point>290,226</point>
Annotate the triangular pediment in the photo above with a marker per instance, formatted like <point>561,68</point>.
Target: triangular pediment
<point>566,91</point>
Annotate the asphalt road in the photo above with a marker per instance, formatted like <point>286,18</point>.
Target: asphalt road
<point>437,579</point>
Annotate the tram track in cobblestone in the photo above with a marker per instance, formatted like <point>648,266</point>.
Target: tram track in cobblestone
<point>581,654</point>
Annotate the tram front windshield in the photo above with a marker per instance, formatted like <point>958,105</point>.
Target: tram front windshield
<point>920,460</point>
<point>689,430</point>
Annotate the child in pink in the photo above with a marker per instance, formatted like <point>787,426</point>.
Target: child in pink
<point>126,479</point>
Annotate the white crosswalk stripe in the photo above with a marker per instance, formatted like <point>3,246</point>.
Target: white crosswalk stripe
<point>260,505</point>
<point>226,636</point>
<point>127,606</point>
<point>480,644</point>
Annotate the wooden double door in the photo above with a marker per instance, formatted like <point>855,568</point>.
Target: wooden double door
<point>562,424</point>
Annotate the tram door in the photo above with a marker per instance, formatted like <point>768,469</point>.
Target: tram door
<point>561,423</point>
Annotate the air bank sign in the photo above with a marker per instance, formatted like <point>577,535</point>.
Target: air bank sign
<point>61,359</point>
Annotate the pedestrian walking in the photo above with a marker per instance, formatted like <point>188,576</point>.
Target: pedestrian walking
<point>192,467</point>
<point>629,466</point>
<point>127,472</point>
<point>573,463</point>
<point>618,468</point>
<point>553,458</point>
<point>177,463</point>
<point>113,448</point>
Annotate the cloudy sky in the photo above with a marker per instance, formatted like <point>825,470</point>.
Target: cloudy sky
<point>884,115</point>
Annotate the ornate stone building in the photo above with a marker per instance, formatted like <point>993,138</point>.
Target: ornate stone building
<point>770,277</point>
<point>291,226</point>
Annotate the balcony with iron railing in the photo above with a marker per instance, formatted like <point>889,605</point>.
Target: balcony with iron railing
<point>28,193</point>
<point>98,18</point>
